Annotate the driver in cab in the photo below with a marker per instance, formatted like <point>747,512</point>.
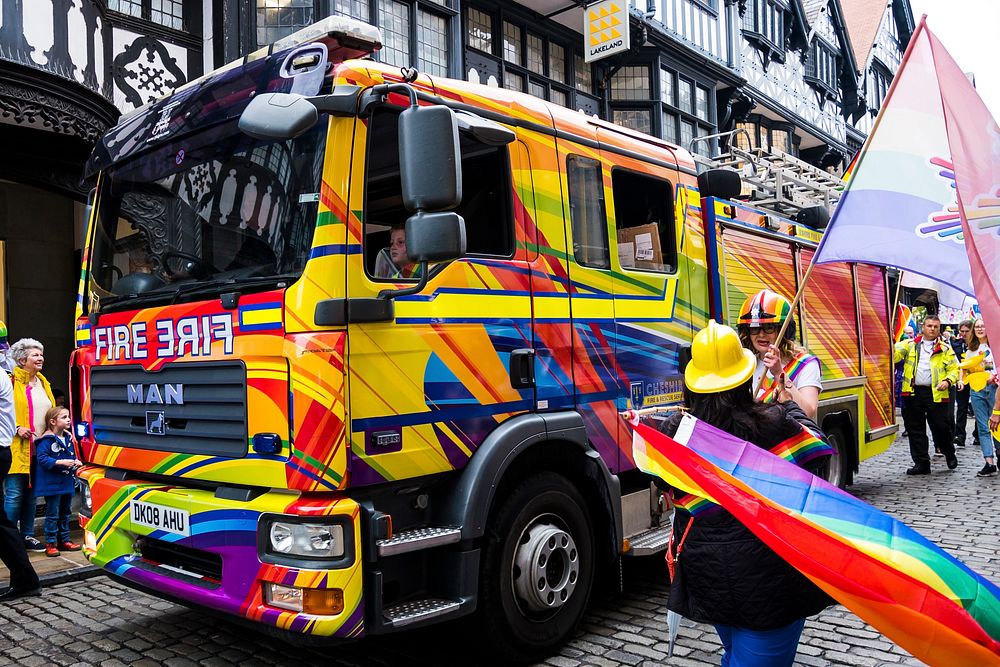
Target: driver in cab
<point>394,262</point>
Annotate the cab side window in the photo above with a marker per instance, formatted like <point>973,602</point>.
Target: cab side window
<point>587,214</point>
<point>644,221</point>
<point>486,201</point>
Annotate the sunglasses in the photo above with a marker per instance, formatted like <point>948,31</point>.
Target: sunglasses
<point>766,329</point>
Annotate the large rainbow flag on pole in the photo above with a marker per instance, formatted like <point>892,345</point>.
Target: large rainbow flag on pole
<point>901,583</point>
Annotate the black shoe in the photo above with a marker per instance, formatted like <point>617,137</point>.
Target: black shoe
<point>960,443</point>
<point>952,462</point>
<point>12,593</point>
<point>919,470</point>
<point>31,544</point>
<point>989,470</point>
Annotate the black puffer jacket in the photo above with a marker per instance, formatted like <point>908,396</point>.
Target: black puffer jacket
<point>726,575</point>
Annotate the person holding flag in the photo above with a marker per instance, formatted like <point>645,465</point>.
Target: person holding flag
<point>781,365</point>
<point>721,573</point>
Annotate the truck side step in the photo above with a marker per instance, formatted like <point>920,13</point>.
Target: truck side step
<point>650,542</point>
<point>419,538</point>
<point>406,613</point>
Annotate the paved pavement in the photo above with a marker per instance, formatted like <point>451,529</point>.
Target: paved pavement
<point>96,621</point>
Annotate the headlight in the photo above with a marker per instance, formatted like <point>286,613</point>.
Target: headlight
<point>312,540</point>
<point>88,503</point>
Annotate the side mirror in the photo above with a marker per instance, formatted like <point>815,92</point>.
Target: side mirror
<point>277,116</point>
<point>435,237</point>
<point>430,163</point>
<point>722,183</point>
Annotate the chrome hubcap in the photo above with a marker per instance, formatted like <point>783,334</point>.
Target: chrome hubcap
<point>546,567</point>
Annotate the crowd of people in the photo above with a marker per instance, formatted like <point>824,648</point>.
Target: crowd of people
<point>37,459</point>
<point>939,378</point>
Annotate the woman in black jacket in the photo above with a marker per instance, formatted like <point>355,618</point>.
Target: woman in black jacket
<point>724,574</point>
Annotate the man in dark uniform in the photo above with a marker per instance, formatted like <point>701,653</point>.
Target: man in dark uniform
<point>23,580</point>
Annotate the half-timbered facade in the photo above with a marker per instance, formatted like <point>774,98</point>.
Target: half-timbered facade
<point>879,34</point>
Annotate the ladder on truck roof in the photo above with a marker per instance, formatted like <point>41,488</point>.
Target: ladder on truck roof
<point>773,179</point>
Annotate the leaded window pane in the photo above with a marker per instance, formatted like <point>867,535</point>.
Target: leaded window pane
<point>559,97</point>
<point>630,83</point>
<point>584,79</point>
<point>667,87</point>
<point>394,20</point>
<point>536,63</point>
<point>355,9</point>
<point>781,140</point>
<point>130,7</point>
<point>670,126</point>
<point>557,63</point>
<point>479,30</point>
<point>432,43</point>
<point>169,13</point>
<point>511,43</point>
<point>701,102</point>
<point>637,119</point>
<point>741,140</point>
<point>513,81</point>
<point>280,18</point>
<point>687,134</point>
<point>685,97</point>
<point>536,89</point>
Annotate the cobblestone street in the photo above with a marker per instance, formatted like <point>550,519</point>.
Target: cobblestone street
<point>99,622</point>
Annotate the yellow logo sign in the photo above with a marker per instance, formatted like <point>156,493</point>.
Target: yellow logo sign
<point>606,29</point>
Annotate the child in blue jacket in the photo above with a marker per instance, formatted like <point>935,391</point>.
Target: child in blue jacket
<point>54,479</point>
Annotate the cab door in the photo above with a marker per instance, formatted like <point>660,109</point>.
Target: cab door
<point>652,320</point>
<point>427,385</point>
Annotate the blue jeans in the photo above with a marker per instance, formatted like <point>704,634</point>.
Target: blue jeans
<point>19,503</point>
<point>760,648</point>
<point>57,518</point>
<point>982,406</point>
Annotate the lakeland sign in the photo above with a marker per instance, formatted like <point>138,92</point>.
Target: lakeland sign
<point>605,29</point>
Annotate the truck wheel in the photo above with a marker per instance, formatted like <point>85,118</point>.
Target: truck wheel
<point>538,568</point>
<point>836,469</point>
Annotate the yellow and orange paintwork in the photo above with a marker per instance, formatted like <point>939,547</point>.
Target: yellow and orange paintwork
<point>436,372</point>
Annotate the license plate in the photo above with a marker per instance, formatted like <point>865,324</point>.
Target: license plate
<point>160,517</point>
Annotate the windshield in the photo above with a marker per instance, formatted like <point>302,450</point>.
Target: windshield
<point>217,208</point>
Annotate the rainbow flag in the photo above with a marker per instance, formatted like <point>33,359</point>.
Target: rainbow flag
<point>902,321</point>
<point>900,582</point>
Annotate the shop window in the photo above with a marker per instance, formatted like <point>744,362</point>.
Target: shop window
<point>536,58</point>
<point>432,43</point>
<point>584,77</point>
<point>355,9</point>
<point>669,120</point>
<point>667,86</point>
<point>586,207</point>
<point>486,206</point>
<point>168,13</point>
<point>644,221</point>
<point>479,30</point>
<point>394,20</point>
<point>558,97</point>
<point>511,43</point>
<point>557,63</point>
<point>536,89</point>
<point>513,81</point>
<point>636,119</point>
<point>631,83</point>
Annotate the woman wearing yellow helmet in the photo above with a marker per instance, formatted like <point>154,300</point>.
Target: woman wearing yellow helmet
<point>784,364</point>
<point>727,576</point>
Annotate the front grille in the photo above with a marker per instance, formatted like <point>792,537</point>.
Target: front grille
<point>204,566</point>
<point>212,420</point>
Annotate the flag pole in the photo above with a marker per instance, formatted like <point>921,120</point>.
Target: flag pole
<point>878,119</point>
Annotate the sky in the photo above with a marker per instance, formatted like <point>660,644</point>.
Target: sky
<point>969,30</point>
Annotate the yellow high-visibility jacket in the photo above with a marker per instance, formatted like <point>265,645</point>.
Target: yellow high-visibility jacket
<point>944,366</point>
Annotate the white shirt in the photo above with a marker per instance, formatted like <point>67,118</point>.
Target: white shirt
<point>7,427</point>
<point>922,376</point>
<point>810,376</point>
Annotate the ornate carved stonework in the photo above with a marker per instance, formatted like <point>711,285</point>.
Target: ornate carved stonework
<point>32,105</point>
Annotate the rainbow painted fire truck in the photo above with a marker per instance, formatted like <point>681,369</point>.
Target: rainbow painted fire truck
<point>278,429</point>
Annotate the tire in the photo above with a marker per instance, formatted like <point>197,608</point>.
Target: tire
<point>838,469</point>
<point>543,525</point>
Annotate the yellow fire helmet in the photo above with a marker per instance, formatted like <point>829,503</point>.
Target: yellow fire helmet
<point>719,361</point>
